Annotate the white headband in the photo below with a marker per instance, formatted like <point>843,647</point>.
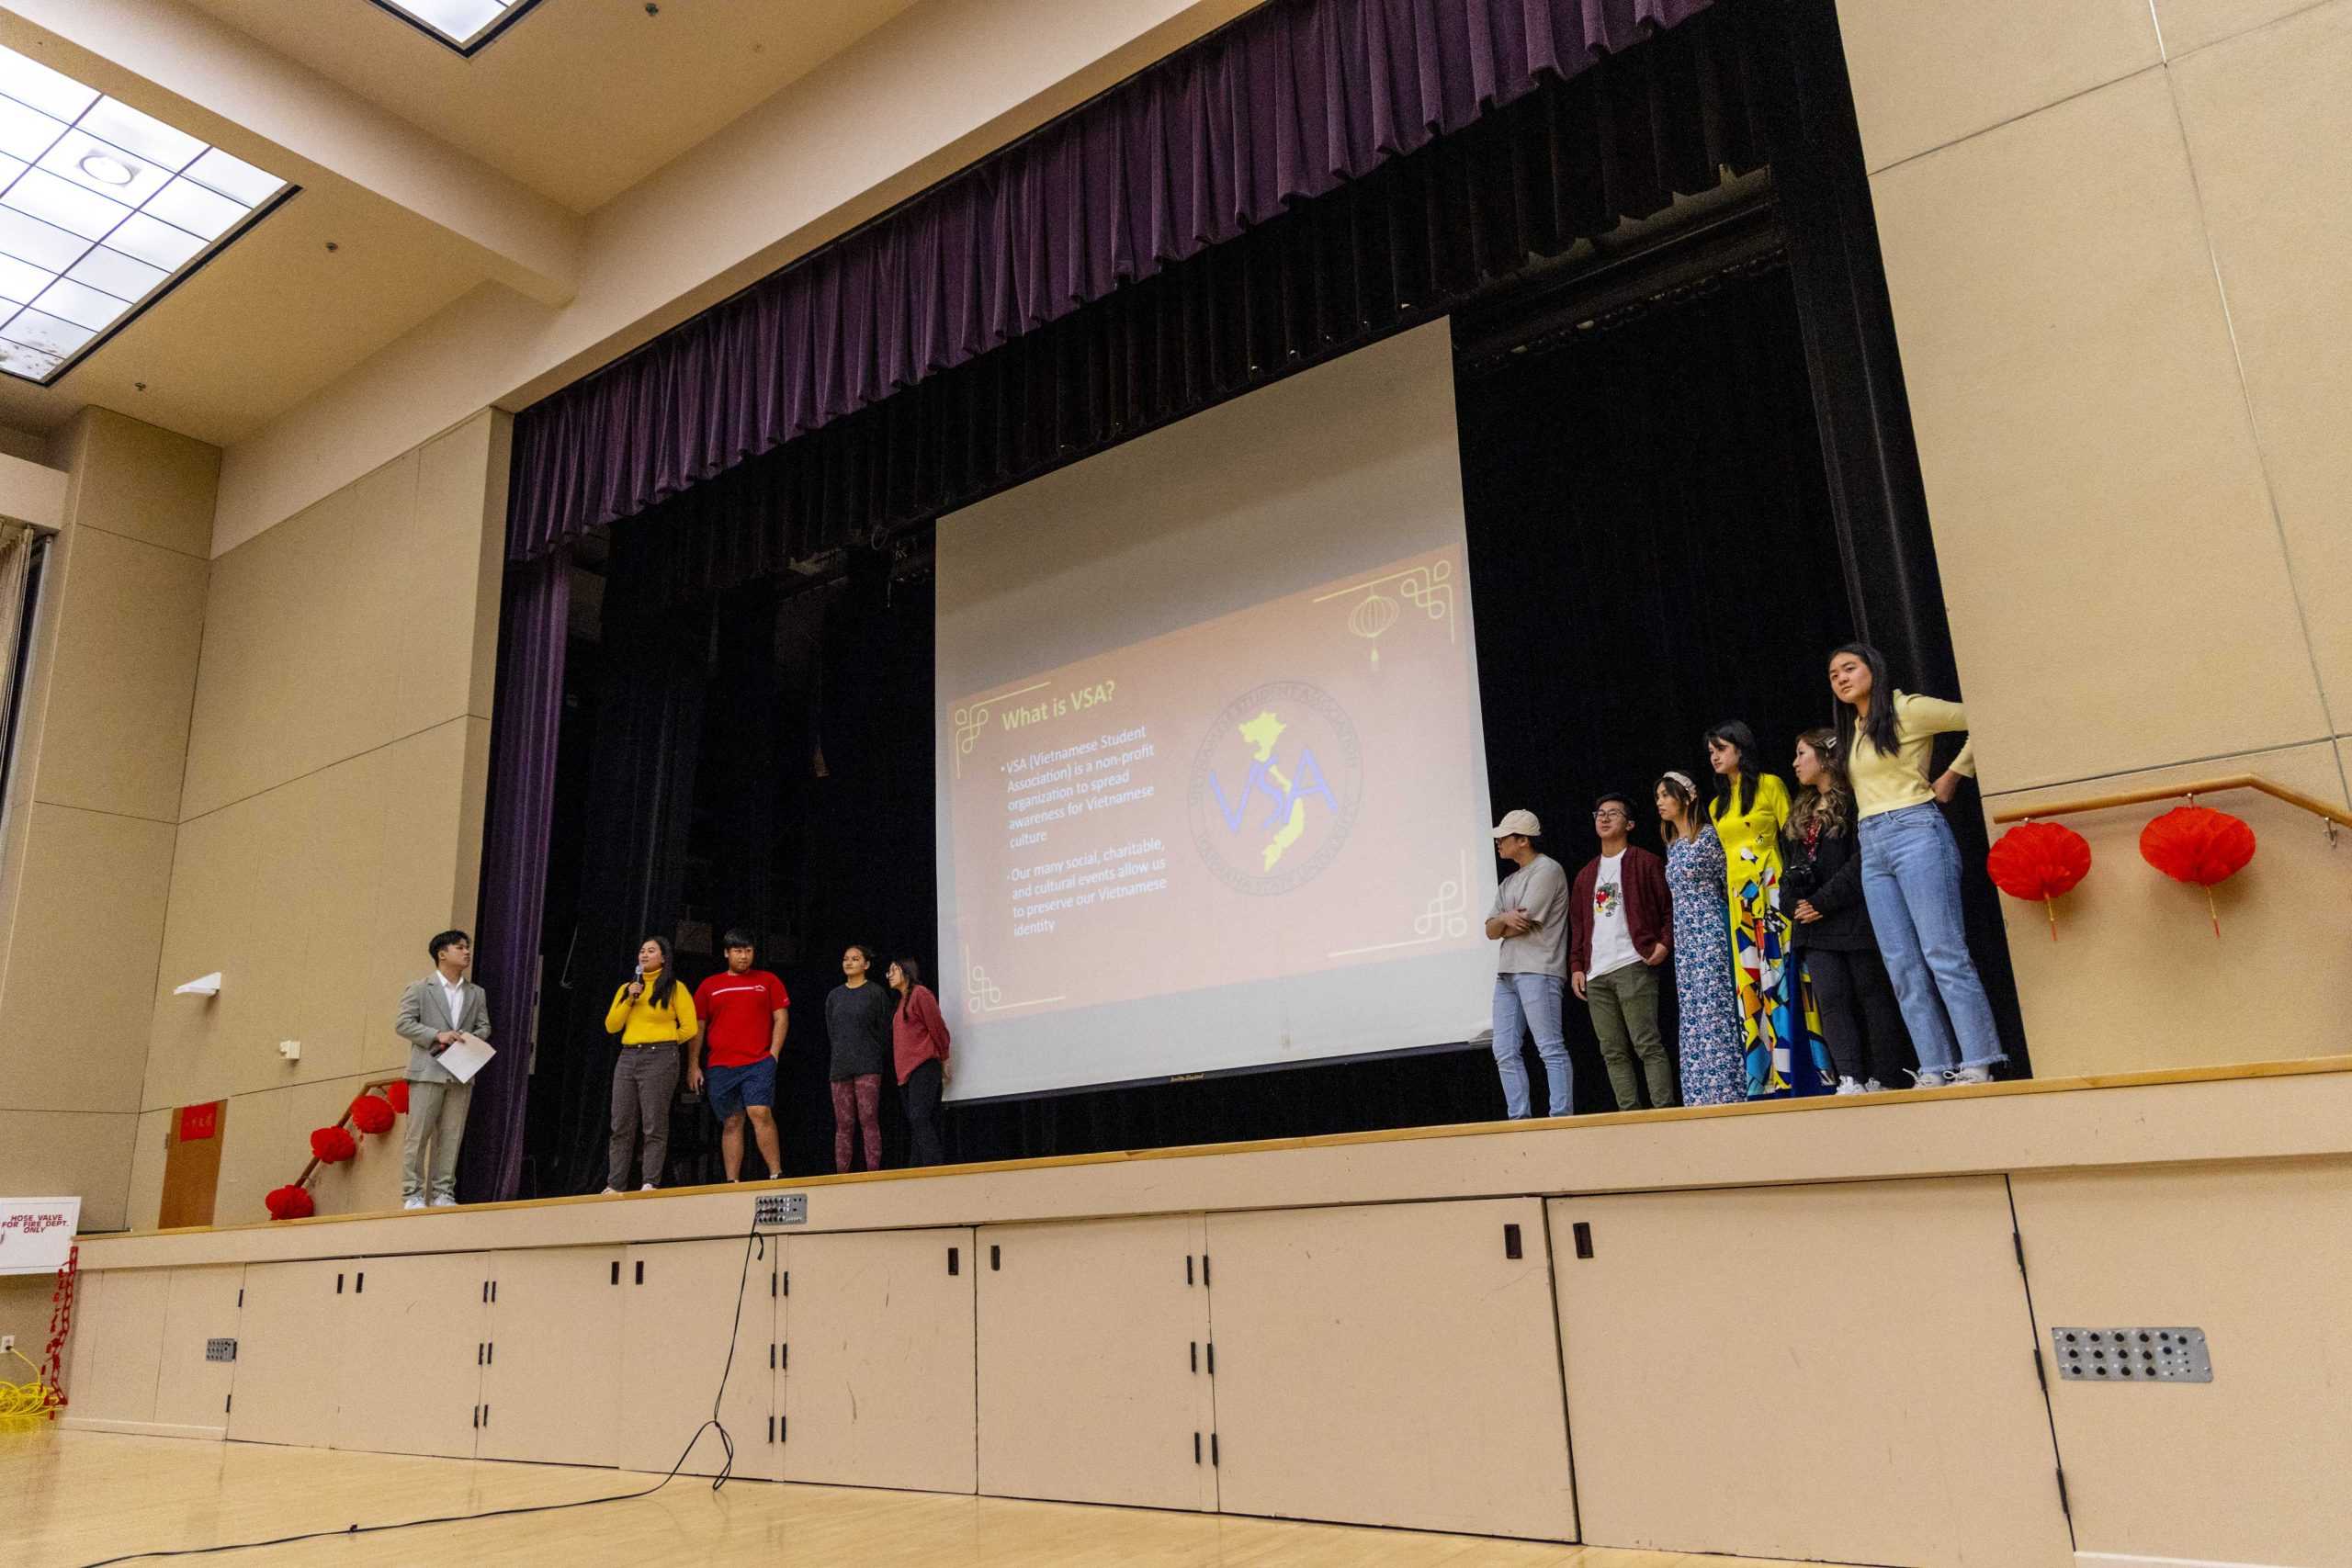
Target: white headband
<point>1683,779</point>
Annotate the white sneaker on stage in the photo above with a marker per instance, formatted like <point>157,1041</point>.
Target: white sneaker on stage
<point>1927,1078</point>
<point>443,1203</point>
<point>1972,1074</point>
<point>1847,1086</point>
<point>610,1192</point>
<point>647,1188</point>
<point>411,1202</point>
<point>1873,1087</point>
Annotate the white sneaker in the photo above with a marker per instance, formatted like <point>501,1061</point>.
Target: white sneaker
<point>1847,1086</point>
<point>1927,1078</point>
<point>411,1202</point>
<point>610,1192</point>
<point>647,1188</point>
<point>1972,1074</point>
<point>443,1203</point>
<point>1873,1087</point>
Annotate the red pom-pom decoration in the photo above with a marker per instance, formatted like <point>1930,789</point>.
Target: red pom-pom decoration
<point>372,1113</point>
<point>333,1146</point>
<point>290,1204</point>
<point>396,1094</point>
<point>2038,861</point>
<point>2199,845</point>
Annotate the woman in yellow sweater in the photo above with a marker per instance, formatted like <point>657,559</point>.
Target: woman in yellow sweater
<point>1911,865</point>
<point>653,1014</point>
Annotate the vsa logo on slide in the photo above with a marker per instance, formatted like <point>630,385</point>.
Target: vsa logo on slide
<point>1275,787</point>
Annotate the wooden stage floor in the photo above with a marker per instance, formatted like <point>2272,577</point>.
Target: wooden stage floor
<point>81,1497</point>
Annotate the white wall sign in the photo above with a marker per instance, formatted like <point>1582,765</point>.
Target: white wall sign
<point>37,1232</point>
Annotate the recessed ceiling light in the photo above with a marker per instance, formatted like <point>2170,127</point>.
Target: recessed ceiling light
<point>102,209</point>
<point>463,25</point>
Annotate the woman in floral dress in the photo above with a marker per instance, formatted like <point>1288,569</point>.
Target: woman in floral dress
<point>1714,1069</point>
<point>1750,810</point>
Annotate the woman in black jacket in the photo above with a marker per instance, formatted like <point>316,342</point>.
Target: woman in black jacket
<point>1821,886</point>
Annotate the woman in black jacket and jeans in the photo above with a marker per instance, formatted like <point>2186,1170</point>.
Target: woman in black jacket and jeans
<point>1821,886</point>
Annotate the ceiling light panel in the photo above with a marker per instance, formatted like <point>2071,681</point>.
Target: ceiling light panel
<point>463,25</point>
<point>102,209</point>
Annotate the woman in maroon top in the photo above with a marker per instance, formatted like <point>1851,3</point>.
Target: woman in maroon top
<point>918,1042</point>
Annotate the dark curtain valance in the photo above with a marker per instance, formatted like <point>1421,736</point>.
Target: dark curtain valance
<point>1286,104</point>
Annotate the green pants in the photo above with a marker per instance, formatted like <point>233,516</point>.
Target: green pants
<point>1624,1014</point>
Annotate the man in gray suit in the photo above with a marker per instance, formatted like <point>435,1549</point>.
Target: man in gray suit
<point>434,1012</point>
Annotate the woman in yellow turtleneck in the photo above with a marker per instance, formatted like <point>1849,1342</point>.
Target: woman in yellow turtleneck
<point>654,1015</point>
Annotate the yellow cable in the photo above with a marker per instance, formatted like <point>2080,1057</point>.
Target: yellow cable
<point>23,1401</point>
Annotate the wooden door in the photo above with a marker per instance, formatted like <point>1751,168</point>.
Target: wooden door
<point>192,1136</point>
<point>118,1344</point>
<point>192,1391</point>
<point>1091,1385</point>
<point>679,1302</point>
<point>552,1373</point>
<point>408,1379</point>
<point>878,1381</point>
<point>1840,1372</point>
<point>291,1333</point>
<point>1391,1364</point>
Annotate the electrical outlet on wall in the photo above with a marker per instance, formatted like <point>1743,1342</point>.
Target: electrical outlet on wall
<point>290,1049</point>
<point>7,1343</point>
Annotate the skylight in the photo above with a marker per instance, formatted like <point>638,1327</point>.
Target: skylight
<point>102,210</point>
<point>463,25</point>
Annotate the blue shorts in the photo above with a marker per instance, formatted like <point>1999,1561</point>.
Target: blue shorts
<point>732,1089</point>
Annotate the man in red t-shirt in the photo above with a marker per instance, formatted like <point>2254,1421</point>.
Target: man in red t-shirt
<point>743,1012</point>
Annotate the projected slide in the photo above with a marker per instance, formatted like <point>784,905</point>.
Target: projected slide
<point>1212,777</point>
<point>1245,800</point>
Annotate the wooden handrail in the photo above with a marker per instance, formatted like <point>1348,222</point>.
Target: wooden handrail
<point>2311,803</point>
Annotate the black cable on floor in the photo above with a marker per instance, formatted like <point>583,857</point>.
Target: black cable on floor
<point>753,1238</point>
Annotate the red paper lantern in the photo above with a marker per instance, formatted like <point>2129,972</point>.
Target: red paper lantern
<point>2199,845</point>
<point>291,1203</point>
<point>333,1146</point>
<point>396,1094</point>
<point>372,1113</point>
<point>2039,861</point>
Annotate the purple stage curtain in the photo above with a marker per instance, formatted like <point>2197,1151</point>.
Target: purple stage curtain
<point>536,614</point>
<point>1284,105</point>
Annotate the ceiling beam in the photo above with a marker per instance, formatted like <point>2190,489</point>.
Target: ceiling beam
<point>214,81</point>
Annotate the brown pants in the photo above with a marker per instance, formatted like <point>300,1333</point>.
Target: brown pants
<point>645,1080</point>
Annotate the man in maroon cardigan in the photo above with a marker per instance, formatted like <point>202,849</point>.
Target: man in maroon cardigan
<point>1620,925</point>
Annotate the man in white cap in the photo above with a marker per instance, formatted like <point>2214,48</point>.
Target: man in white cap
<point>1529,918</point>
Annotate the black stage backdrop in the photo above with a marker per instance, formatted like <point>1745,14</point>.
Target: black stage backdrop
<point>1651,551</point>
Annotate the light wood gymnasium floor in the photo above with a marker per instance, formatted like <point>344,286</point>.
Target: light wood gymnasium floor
<point>76,1497</point>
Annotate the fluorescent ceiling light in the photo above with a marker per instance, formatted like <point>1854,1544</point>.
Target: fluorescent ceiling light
<point>102,209</point>
<point>463,25</point>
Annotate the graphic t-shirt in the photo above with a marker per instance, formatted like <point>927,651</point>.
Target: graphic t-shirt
<point>736,1010</point>
<point>1613,943</point>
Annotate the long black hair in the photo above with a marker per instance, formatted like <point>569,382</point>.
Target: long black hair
<point>1878,729</point>
<point>1735,793</point>
<point>913,972</point>
<point>668,999</point>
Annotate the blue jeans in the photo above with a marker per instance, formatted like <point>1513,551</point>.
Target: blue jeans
<point>1911,882</point>
<point>1525,1005</point>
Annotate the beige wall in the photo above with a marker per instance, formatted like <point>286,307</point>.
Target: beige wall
<point>331,820</point>
<point>2113,241</point>
<point>94,805</point>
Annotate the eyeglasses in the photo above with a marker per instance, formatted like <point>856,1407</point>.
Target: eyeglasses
<point>1604,815</point>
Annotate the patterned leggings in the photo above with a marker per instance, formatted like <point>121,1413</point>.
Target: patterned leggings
<point>861,1097</point>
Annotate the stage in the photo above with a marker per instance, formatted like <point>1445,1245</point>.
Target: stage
<point>1836,1312</point>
